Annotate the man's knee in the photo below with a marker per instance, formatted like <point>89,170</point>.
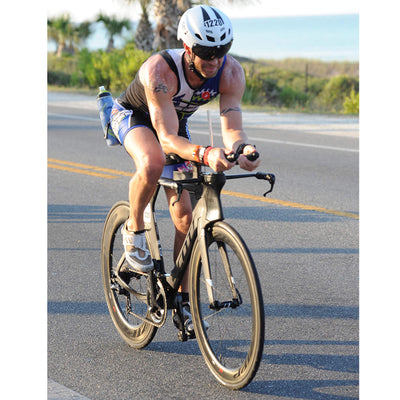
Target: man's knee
<point>143,147</point>
<point>150,166</point>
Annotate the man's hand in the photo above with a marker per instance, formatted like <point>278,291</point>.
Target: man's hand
<point>217,161</point>
<point>246,164</point>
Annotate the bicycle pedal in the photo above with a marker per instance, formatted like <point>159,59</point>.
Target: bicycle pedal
<point>182,336</point>
<point>191,335</point>
<point>126,273</point>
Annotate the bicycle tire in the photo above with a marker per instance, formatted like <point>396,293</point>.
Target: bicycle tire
<point>232,343</point>
<point>133,330</point>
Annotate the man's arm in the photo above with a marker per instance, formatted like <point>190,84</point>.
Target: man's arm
<point>232,87</point>
<point>160,84</point>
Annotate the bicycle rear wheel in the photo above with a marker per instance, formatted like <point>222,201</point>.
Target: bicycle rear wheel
<point>125,307</point>
<point>232,343</point>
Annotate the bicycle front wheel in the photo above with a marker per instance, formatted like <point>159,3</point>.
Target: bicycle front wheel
<point>128,309</point>
<point>230,330</point>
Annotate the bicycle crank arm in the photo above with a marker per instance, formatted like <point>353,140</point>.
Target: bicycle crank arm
<point>144,299</point>
<point>125,286</point>
<point>123,283</point>
<point>141,298</point>
<point>150,321</point>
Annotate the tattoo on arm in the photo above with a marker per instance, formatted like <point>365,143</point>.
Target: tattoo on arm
<point>160,88</point>
<point>227,110</point>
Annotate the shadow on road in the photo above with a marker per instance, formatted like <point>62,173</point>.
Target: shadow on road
<point>307,389</point>
<point>64,213</point>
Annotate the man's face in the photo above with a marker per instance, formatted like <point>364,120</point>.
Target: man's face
<point>208,68</point>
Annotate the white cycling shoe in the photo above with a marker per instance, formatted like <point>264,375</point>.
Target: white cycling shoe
<point>136,251</point>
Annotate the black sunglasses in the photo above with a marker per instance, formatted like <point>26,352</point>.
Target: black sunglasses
<point>209,53</point>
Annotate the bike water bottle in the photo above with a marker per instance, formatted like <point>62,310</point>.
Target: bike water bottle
<point>105,104</point>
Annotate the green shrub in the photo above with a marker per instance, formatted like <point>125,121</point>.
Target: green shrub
<point>58,78</point>
<point>66,63</point>
<point>129,62</point>
<point>336,90</point>
<point>351,104</point>
<point>85,65</point>
<point>115,69</point>
<point>291,98</point>
<point>253,93</point>
<point>276,84</point>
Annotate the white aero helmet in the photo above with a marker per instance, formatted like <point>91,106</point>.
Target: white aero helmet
<point>207,31</point>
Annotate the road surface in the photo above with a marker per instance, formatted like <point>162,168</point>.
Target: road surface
<point>304,240</point>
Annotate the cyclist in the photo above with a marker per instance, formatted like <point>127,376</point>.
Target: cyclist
<point>150,120</point>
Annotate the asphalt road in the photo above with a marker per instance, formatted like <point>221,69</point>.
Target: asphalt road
<point>304,242</point>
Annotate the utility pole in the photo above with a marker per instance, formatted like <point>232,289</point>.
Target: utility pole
<point>306,86</point>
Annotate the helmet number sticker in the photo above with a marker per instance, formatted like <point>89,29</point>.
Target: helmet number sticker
<point>213,22</point>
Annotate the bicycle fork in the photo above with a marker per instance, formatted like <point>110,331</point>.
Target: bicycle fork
<point>205,260</point>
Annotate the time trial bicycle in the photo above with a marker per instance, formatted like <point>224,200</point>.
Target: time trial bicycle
<point>224,290</point>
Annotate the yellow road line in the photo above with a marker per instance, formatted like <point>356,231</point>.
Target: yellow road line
<point>113,173</point>
<point>291,204</point>
<point>81,171</point>
<point>91,167</point>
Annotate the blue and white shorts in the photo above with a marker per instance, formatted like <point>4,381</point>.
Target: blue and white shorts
<point>124,120</point>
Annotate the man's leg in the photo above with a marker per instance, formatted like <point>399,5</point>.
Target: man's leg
<point>181,214</point>
<point>142,145</point>
<point>149,159</point>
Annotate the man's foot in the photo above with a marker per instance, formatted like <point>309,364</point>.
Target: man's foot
<point>136,251</point>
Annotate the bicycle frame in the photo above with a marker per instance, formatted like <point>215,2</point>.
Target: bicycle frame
<point>207,189</point>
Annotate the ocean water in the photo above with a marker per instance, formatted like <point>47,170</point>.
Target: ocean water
<point>327,38</point>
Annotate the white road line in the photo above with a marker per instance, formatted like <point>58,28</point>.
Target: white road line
<point>316,146</point>
<point>253,139</point>
<point>73,117</point>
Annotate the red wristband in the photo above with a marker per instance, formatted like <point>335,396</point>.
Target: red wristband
<point>205,156</point>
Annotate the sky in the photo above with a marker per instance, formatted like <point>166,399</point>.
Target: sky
<point>81,10</point>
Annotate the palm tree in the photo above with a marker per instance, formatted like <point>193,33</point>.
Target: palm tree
<point>83,31</point>
<point>113,27</point>
<point>59,29</point>
<point>167,13</point>
<point>79,34</point>
<point>144,32</point>
<point>67,35</point>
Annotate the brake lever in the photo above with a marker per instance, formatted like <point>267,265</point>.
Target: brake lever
<point>170,184</point>
<point>268,177</point>
<point>178,191</point>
